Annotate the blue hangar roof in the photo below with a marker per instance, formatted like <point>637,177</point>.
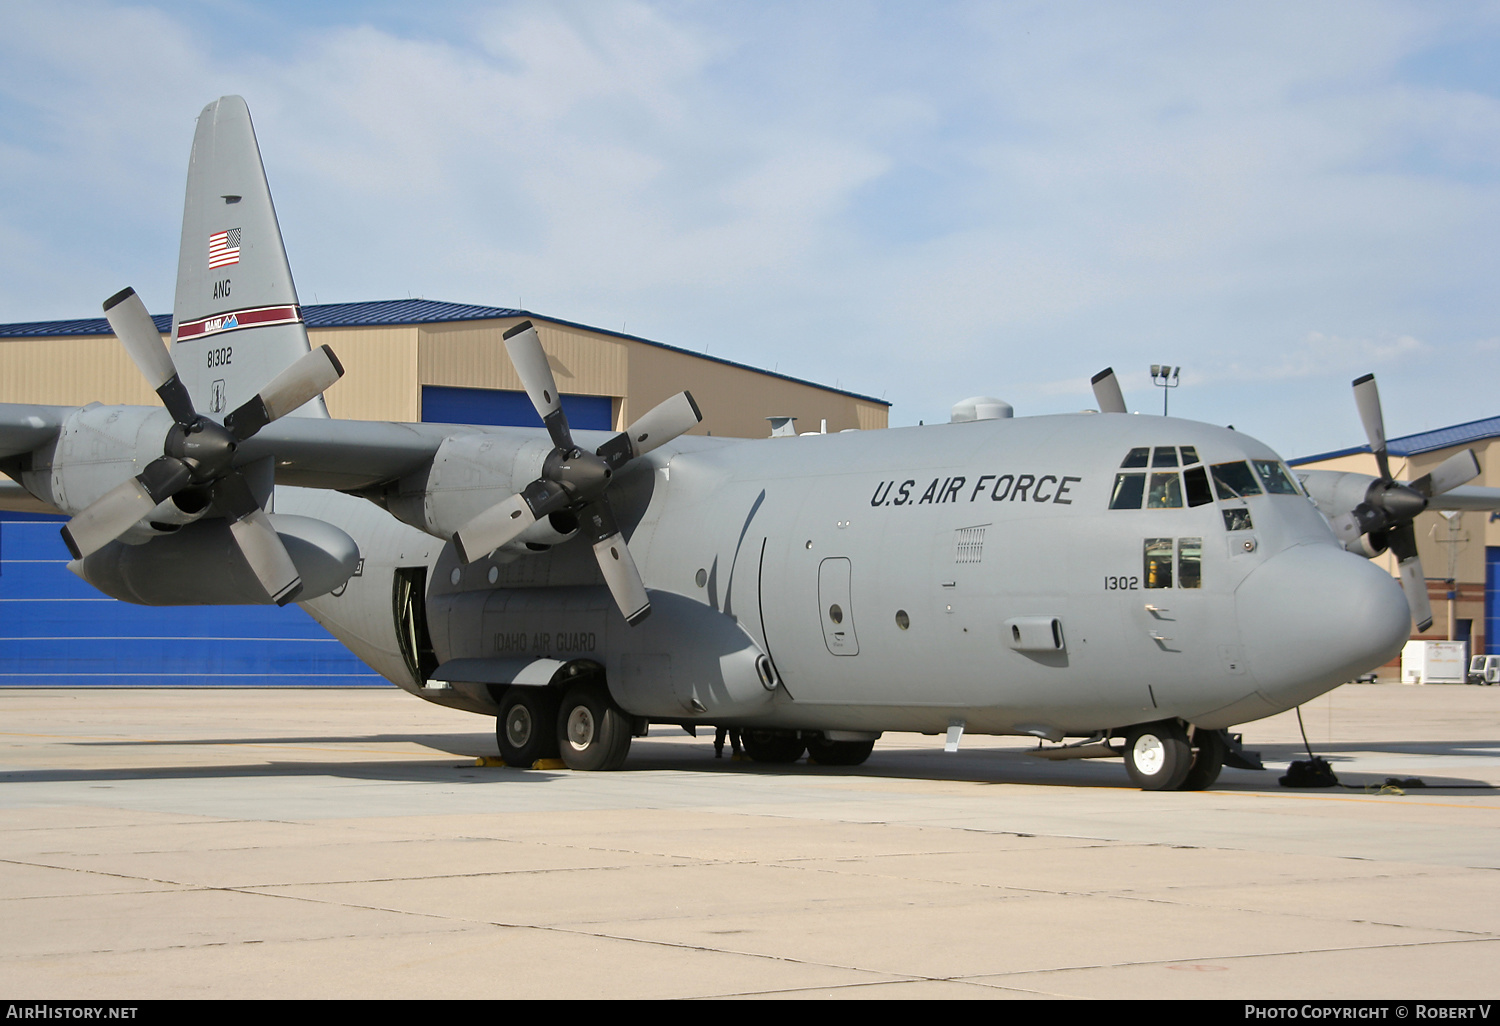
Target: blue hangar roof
<point>385,312</point>
<point>1415,445</point>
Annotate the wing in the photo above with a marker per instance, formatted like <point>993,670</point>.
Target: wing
<point>350,455</point>
<point>23,430</point>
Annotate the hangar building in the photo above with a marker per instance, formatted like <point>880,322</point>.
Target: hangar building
<point>1460,553</point>
<point>405,360</point>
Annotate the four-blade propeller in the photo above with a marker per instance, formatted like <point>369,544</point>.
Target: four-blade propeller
<point>198,454</point>
<point>1390,506</point>
<point>573,480</point>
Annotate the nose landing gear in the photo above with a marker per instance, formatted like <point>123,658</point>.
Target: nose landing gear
<point>1163,757</point>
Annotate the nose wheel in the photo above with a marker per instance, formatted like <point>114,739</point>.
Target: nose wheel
<point>1209,750</point>
<point>1157,756</point>
<point>1160,757</point>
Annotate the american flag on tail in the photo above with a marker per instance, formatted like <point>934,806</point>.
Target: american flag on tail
<point>224,248</point>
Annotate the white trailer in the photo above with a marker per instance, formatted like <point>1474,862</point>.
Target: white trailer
<point>1435,662</point>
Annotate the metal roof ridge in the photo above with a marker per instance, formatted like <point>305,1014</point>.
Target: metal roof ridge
<point>1417,443</point>
<point>313,317</point>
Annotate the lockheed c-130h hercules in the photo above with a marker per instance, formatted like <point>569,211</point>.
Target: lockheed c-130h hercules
<point>1136,584</point>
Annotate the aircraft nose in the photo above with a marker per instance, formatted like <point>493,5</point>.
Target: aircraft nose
<point>1315,616</point>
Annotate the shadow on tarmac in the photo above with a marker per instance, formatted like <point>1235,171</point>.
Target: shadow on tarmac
<point>974,764</point>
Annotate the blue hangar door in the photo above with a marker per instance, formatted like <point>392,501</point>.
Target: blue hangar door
<point>442,405</point>
<point>56,630</point>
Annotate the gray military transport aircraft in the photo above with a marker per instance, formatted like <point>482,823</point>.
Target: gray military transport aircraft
<point>1137,584</point>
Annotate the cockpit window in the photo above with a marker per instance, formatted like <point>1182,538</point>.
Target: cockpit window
<point>1234,480</point>
<point>1129,488</point>
<point>1278,481</point>
<point>1166,492</point>
<point>1164,488</point>
<point>1196,479</point>
<point>1237,518</point>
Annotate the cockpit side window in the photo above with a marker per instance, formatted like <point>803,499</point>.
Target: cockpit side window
<point>1234,480</point>
<point>1237,518</point>
<point>1277,480</point>
<point>1189,562</point>
<point>1158,559</point>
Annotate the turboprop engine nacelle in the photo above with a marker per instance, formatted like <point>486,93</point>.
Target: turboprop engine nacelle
<point>468,474</point>
<point>1359,507</point>
<point>201,564</point>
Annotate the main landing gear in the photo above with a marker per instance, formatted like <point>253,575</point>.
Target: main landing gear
<point>581,724</point>
<point>1162,757</point>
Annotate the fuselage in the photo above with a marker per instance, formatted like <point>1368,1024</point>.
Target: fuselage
<point>1052,576</point>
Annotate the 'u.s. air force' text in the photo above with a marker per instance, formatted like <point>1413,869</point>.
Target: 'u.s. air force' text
<point>998,487</point>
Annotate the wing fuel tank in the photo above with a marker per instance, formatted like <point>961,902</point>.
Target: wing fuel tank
<point>201,564</point>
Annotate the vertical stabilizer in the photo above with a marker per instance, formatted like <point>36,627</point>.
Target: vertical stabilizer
<point>236,321</point>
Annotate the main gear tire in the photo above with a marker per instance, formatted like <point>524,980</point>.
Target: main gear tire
<point>593,733</point>
<point>768,746</point>
<point>524,729</point>
<point>838,753</point>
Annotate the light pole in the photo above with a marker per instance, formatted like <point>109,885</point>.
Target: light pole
<point>1164,376</point>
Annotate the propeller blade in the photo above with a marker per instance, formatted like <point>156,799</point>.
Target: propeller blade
<point>1415,586</point>
<point>531,365</point>
<point>1473,497</point>
<point>1367,398</point>
<point>615,562</point>
<point>623,578</point>
<point>134,328</point>
<point>1458,469</point>
<point>1403,542</point>
<point>258,541</point>
<point>264,550</point>
<point>663,423</point>
<point>503,522</point>
<point>499,525</point>
<point>114,512</point>
<point>1107,392</point>
<point>309,376</point>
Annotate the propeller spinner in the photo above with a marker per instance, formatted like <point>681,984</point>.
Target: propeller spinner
<point>199,453</point>
<point>1390,507</point>
<point>574,480</point>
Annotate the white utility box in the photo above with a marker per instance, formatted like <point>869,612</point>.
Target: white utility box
<point>1435,662</point>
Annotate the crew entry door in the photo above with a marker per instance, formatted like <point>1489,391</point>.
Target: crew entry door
<point>836,607</point>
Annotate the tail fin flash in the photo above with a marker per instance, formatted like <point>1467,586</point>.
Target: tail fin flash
<point>237,322</point>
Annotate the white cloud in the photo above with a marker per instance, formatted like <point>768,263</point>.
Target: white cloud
<point>929,201</point>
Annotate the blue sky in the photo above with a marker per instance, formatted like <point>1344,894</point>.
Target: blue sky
<point>921,201</point>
